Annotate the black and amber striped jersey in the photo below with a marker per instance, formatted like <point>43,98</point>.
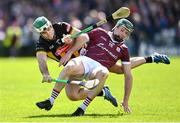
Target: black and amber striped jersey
<point>55,48</point>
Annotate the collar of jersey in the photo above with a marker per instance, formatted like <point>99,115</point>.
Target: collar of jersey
<point>114,41</point>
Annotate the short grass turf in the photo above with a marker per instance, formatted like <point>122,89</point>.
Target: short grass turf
<point>155,95</point>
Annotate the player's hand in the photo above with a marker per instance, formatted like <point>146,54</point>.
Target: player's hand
<point>66,39</point>
<point>126,107</point>
<point>65,58</point>
<point>46,78</point>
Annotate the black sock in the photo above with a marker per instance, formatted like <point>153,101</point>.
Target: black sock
<point>101,93</point>
<point>148,59</point>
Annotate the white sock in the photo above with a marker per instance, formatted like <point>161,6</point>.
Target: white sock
<point>51,100</point>
<point>54,95</point>
<point>85,104</point>
<point>103,92</point>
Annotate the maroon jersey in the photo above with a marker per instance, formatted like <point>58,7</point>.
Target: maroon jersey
<point>104,50</point>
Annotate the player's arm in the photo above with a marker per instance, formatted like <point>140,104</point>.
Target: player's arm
<point>42,62</point>
<point>127,85</point>
<point>83,39</point>
<point>77,43</point>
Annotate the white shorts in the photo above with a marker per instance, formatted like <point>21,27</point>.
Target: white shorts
<point>89,66</point>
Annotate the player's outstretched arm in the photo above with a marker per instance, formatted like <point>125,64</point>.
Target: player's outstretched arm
<point>127,86</point>
<point>42,61</point>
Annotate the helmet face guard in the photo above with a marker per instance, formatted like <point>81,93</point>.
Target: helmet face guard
<point>41,24</point>
<point>126,24</point>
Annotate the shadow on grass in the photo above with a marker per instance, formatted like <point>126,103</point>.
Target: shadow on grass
<point>69,115</point>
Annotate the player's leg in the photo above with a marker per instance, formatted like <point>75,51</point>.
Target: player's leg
<point>101,73</point>
<point>68,70</point>
<point>138,61</point>
<point>135,62</point>
<point>48,103</point>
<point>75,93</point>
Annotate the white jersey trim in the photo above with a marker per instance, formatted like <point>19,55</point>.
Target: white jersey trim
<point>126,62</point>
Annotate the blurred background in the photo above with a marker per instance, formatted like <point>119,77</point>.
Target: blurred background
<point>157,23</point>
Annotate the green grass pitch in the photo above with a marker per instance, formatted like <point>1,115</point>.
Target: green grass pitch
<point>155,95</point>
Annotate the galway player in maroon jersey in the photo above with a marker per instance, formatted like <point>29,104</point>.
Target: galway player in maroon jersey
<point>103,51</point>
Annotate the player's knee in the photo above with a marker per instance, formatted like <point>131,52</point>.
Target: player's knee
<point>72,96</point>
<point>105,73</point>
<point>70,67</point>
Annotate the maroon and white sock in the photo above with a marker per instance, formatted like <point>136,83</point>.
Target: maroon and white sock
<point>85,104</point>
<point>54,95</point>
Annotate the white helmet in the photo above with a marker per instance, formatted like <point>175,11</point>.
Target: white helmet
<point>41,23</point>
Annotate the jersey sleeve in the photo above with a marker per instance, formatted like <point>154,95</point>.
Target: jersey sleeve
<point>67,27</point>
<point>125,56</point>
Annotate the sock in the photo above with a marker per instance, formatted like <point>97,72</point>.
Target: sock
<point>54,95</point>
<point>85,104</point>
<point>102,93</point>
<point>148,59</point>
